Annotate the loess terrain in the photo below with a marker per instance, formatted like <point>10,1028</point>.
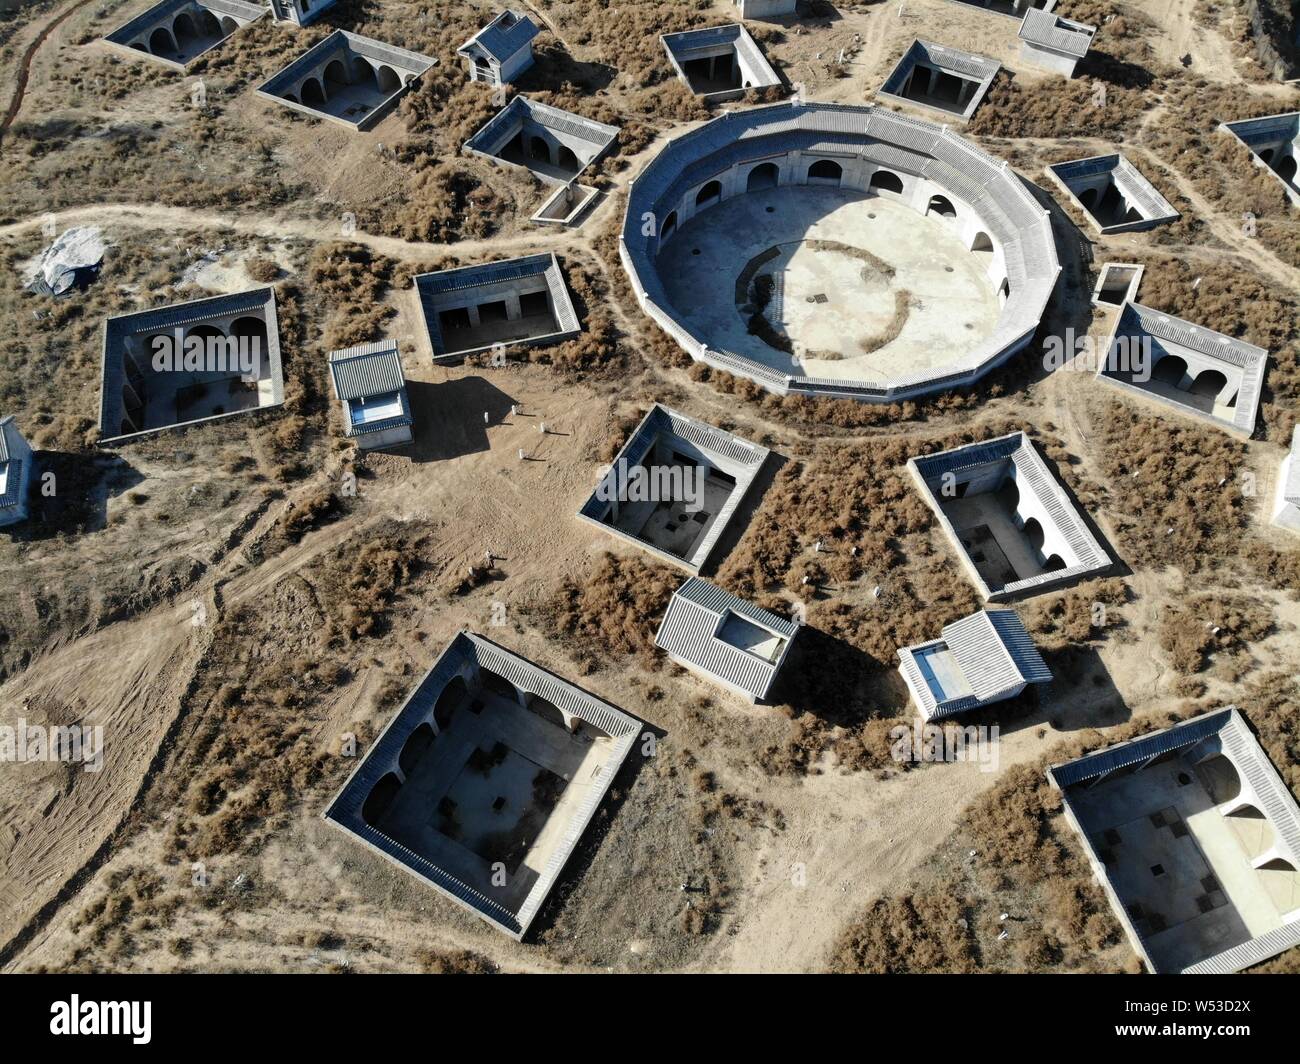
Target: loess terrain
<point>232,601</point>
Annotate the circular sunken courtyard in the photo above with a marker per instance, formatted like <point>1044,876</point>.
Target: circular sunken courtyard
<point>839,250</point>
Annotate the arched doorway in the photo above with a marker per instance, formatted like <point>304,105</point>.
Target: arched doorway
<point>229,25</point>
<point>251,328</point>
<point>825,171</point>
<point>1054,564</point>
<point>1208,384</point>
<point>1220,778</point>
<point>313,94</point>
<point>364,74</point>
<point>160,42</point>
<point>547,710</point>
<point>539,150</point>
<point>670,226</point>
<point>1252,829</point>
<point>336,77</point>
<point>388,79</point>
<point>380,799</point>
<point>448,700</point>
<point>886,181</point>
<point>982,242</point>
<point>568,161</point>
<point>1004,290</point>
<point>710,193</point>
<point>203,332</point>
<point>416,746</point>
<point>1170,369</point>
<point>498,684</point>
<point>1088,197</point>
<point>765,175</point>
<point>942,206</point>
<point>1034,533</point>
<point>1286,169</point>
<point>183,29</point>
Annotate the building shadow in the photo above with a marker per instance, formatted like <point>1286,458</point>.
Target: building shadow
<point>554,69</point>
<point>744,513</point>
<point>580,860</point>
<point>838,683</point>
<point>1108,68</point>
<point>70,492</point>
<point>1081,696</point>
<point>449,417</point>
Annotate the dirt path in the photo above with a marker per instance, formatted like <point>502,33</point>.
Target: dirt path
<point>25,67</point>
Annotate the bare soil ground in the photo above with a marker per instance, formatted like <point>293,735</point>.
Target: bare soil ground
<point>752,839</point>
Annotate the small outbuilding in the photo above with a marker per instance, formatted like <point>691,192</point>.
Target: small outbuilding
<point>501,50</point>
<point>368,381</point>
<point>726,639</point>
<point>984,658</point>
<point>299,12</point>
<point>764,9</point>
<point>15,473</point>
<point>1051,41</point>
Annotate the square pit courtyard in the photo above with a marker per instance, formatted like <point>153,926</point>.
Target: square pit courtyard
<point>136,397</point>
<point>1194,370</point>
<point>485,779</point>
<point>719,63</point>
<point>643,498</point>
<point>554,145</point>
<point>1194,837</point>
<point>1113,194</point>
<point>176,32</point>
<point>350,80</point>
<point>945,80</point>
<point>1015,527</point>
<point>514,301</point>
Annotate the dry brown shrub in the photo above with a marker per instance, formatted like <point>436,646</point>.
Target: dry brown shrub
<point>453,962</point>
<point>911,933</point>
<point>1212,624</point>
<point>612,613</point>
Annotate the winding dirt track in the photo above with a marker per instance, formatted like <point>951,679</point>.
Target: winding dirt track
<point>25,67</point>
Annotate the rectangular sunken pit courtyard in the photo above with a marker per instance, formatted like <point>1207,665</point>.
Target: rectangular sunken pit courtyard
<point>553,145</point>
<point>941,79</point>
<point>1274,143</point>
<point>1014,526</point>
<point>176,32</point>
<point>1196,841</point>
<point>515,301</point>
<point>1113,194</point>
<point>347,79</point>
<point>1189,367</point>
<point>189,362</point>
<point>485,779</point>
<point>674,487</point>
<point>720,62</point>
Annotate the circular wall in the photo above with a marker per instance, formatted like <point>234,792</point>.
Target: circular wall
<point>822,176</point>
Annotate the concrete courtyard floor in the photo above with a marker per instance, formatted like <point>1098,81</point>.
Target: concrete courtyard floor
<point>1166,871</point>
<point>954,303</point>
<point>533,743</point>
